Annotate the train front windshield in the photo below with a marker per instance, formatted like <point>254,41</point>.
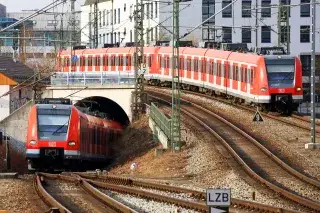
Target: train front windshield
<point>53,123</point>
<point>280,72</point>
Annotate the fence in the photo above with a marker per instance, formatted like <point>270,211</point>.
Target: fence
<point>91,78</point>
<point>161,120</point>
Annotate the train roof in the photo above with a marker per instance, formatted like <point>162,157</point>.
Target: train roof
<point>115,50</point>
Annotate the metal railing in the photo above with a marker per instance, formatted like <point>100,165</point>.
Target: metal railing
<point>160,119</point>
<point>89,78</point>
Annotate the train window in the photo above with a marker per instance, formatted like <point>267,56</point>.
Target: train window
<point>246,75</point>
<point>195,65</point>
<point>105,60</point>
<point>212,67</point>
<point>251,76</point>
<point>128,60</point>
<point>235,72</point>
<point>150,60</point>
<point>121,60</point>
<point>62,62</point>
<point>218,69</point>
<point>89,60</point>
<point>98,61</point>
<point>82,61</point>
<point>167,62</point>
<point>181,61</point>
<point>204,66</point>
<point>113,60</point>
<point>222,74</point>
<point>161,62</point>
<point>189,64</point>
<point>230,72</point>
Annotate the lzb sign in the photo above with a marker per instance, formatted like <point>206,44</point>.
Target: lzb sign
<point>218,200</point>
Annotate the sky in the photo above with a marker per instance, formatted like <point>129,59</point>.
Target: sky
<point>18,5</point>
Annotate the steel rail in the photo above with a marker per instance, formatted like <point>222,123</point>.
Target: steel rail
<point>107,200</point>
<point>47,198</point>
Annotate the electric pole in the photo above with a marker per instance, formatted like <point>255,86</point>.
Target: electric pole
<point>138,96</point>
<point>313,73</point>
<point>283,23</point>
<point>175,110</point>
<point>72,34</point>
<point>95,25</point>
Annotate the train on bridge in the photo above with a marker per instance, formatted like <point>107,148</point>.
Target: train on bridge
<point>60,136</point>
<point>273,82</point>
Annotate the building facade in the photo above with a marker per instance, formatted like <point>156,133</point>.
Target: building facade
<point>3,10</point>
<point>116,21</point>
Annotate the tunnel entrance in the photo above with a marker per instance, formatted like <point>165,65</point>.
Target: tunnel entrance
<point>111,109</point>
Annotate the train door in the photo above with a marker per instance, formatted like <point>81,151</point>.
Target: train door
<point>204,70</point>
<point>181,66</point>
<point>196,68</point>
<point>227,76</point>
<point>113,62</point>
<point>89,65</point>
<point>243,71</point>
<point>120,62</point>
<point>210,70</point>
<point>218,73</point>
<point>189,67</point>
<point>235,76</point>
<point>82,63</point>
<point>97,63</point>
<point>105,63</point>
<point>66,64</point>
<point>166,65</point>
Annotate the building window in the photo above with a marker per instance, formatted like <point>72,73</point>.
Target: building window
<point>100,19</point>
<point>107,38</point>
<point>115,37</point>
<point>156,33</point>
<point>246,34</point>
<point>226,34</point>
<point>304,34</point>
<point>124,8</point>
<point>99,38</point>
<point>283,35</point>
<point>284,10</point>
<point>156,9</point>
<point>107,17</point>
<point>227,13</point>
<point>266,9</point>
<point>265,34</point>
<point>119,16</point>
<point>104,38</point>
<point>104,18</point>
<point>130,13</point>
<point>151,10</point>
<point>246,8</point>
<point>208,9</point>
<point>148,11</point>
<point>130,35</point>
<point>305,8</point>
<point>115,16</point>
<point>151,34</point>
<point>119,37</point>
<point>306,64</point>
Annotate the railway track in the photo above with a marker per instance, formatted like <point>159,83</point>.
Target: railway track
<point>257,161</point>
<point>59,203</point>
<point>115,206</point>
<point>294,120</point>
<point>236,204</point>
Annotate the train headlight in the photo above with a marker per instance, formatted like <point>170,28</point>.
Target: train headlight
<point>33,142</point>
<point>263,89</point>
<point>298,89</point>
<point>72,143</point>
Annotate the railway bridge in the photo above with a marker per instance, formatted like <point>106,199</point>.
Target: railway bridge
<point>109,93</point>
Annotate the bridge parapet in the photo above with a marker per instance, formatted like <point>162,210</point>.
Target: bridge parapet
<point>92,79</point>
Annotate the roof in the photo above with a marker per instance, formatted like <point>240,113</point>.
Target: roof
<point>15,70</point>
<point>88,2</point>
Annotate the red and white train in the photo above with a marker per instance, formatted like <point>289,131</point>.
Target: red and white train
<point>59,136</point>
<point>270,81</point>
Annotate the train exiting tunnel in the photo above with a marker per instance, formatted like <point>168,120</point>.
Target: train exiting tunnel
<point>112,110</point>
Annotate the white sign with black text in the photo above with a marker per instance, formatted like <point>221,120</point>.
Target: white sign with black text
<point>218,197</point>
